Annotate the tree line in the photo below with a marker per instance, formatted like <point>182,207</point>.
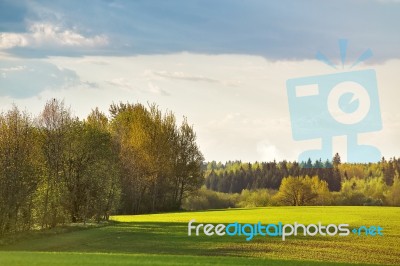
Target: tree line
<point>238,184</point>
<point>235,176</point>
<point>56,168</point>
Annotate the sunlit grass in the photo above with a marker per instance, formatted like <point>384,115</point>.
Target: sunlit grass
<point>162,238</point>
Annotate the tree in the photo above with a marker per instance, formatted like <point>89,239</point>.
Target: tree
<point>53,124</point>
<point>296,191</point>
<point>335,179</point>
<point>188,173</point>
<point>160,163</point>
<point>336,160</point>
<point>91,169</point>
<point>128,132</point>
<point>320,188</point>
<point>104,170</point>
<point>19,171</point>
<point>303,190</point>
<point>389,173</point>
<point>62,169</point>
<point>393,195</point>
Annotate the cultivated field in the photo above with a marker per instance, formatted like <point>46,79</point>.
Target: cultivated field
<point>161,239</point>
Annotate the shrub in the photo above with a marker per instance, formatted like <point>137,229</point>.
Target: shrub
<point>206,199</point>
<point>256,198</point>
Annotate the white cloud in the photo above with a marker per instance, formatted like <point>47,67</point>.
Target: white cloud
<point>157,90</point>
<point>46,35</point>
<point>15,68</point>
<point>10,40</point>
<point>121,83</point>
<point>183,76</point>
<point>22,78</point>
<point>269,152</point>
<point>125,84</point>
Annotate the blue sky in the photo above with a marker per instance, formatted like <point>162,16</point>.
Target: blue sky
<point>273,29</point>
<point>222,63</point>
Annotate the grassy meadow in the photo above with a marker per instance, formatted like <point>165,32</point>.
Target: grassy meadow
<point>161,239</point>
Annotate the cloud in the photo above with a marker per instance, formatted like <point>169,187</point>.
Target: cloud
<point>32,77</point>
<point>125,84</point>
<point>277,30</point>
<point>121,83</point>
<point>49,35</point>
<point>179,75</point>
<point>249,122</point>
<point>13,68</point>
<point>157,90</point>
<point>100,62</point>
<point>268,151</point>
<point>10,40</point>
<point>183,76</point>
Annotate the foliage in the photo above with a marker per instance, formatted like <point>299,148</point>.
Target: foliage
<point>363,192</point>
<point>160,163</point>
<point>373,180</point>
<point>393,194</point>
<point>56,168</point>
<point>256,198</point>
<point>233,177</point>
<point>205,199</point>
<point>19,170</point>
<point>303,190</point>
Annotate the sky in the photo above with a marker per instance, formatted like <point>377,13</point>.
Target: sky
<point>223,64</point>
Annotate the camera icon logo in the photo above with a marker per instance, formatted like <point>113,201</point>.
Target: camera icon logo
<point>340,104</point>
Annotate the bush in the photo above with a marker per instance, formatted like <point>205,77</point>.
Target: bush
<point>352,199</point>
<point>256,198</point>
<point>206,199</point>
<point>373,202</point>
<point>357,192</point>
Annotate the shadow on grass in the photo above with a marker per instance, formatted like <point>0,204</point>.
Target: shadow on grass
<point>171,238</point>
<point>14,238</point>
<point>116,237</point>
<point>145,238</point>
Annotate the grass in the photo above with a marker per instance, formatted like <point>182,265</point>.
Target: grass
<point>161,239</point>
<point>66,258</point>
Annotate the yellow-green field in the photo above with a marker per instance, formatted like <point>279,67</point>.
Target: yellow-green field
<point>161,239</point>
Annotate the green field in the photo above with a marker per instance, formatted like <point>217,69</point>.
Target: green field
<point>161,239</point>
